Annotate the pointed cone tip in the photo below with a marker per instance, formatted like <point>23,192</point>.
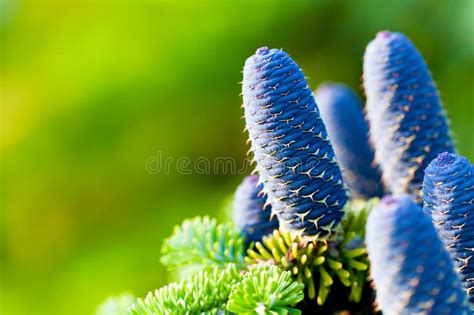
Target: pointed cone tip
<point>262,51</point>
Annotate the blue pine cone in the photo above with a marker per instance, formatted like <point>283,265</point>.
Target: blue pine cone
<point>252,215</point>
<point>411,269</point>
<point>448,197</point>
<point>408,125</point>
<point>293,155</point>
<point>341,111</point>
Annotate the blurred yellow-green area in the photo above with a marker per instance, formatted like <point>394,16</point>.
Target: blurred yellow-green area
<point>92,90</point>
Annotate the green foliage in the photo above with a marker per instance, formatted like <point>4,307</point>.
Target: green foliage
<point>280,267</point>
<point>318,264</point>
<point>116,305</point>
<point>266,290</point>
<point>204,293</point>
<point>201,243</point>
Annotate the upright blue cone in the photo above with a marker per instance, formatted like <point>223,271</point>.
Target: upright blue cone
<point>408,125</point>
<point>293,155</point>
<point>251,213</point>
<point>411,269</point>
<point>341,110</point>
<point>448,197</point>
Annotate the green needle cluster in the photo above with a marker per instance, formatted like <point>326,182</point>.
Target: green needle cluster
<point>319,264</point>
<point>204,293</point>
<point>202,243</point>
<point>266,290</point>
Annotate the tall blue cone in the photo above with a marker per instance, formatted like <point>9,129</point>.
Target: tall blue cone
<point>411,269</point>
<point>251,213</point>
<point>448,197</point>
<point>341,110</point>
<point>293,155</point>
<point>408,125</point>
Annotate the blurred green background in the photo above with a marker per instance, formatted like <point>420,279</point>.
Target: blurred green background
<point>90,91</point>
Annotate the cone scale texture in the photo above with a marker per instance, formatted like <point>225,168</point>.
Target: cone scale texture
<point>251,213</point>
<point>408,125</point>
<point>293,155</point>
<point>341,111</point>
<point>448,197</point>
<point>411,269</point>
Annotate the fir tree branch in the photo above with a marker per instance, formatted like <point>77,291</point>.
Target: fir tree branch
<point>204,293</point>
<point>266,290</point>
<point>201,243</point>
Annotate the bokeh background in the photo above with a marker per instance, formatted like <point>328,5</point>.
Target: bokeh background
<point>90,91</point>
